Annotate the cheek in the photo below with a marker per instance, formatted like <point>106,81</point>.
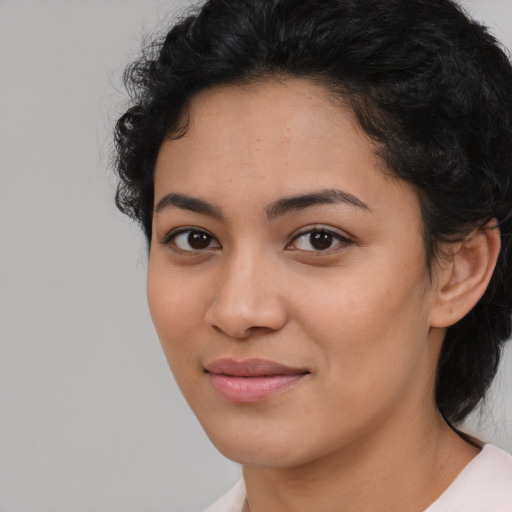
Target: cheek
<point>373,353</point>
<point>177,310</point>
<point>367,328</point>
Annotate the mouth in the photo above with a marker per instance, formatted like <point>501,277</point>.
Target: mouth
<point>252,380</point>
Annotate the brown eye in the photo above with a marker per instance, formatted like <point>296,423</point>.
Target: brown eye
<point>192,240</point>
<point>318,240</point>
<point>198,240</point>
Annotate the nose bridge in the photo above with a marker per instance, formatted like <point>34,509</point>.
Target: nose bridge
<point>247,296</point>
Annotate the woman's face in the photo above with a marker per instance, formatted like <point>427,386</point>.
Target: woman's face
<point>287,277</point>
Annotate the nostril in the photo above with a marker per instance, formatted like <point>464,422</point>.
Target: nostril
<point>240,310</point>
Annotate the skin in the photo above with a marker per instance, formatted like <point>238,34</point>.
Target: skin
<point>361,430</point>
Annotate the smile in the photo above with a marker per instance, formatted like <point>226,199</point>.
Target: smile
<point>251,381</point>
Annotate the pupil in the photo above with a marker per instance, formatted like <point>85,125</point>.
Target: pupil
<point>198,240</point>
<point>321,240</point>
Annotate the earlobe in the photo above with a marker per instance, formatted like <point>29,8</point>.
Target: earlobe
<point>464,274</point>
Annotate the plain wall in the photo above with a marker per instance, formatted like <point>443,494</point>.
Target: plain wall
<point>90,417</point>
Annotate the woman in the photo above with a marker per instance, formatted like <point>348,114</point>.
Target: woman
<point>325,186</point>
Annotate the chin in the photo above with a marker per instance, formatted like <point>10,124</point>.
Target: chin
<point>277,456</point>
<point>273,445</point>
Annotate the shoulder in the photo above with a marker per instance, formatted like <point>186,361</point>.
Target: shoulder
<point>484,485</point>
<point>232,501</point>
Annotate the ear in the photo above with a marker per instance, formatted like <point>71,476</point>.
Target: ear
<point>463,274</point>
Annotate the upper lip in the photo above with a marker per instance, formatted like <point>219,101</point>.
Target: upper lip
<point>251,368</point>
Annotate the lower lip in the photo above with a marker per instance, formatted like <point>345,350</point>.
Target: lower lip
<point>248,390</point>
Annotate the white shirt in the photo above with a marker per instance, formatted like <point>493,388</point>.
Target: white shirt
<point>484,485</point>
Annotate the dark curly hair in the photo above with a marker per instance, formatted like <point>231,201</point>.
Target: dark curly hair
<point>430,86</point>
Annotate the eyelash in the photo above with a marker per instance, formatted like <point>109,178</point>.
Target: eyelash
<point>170,239</point>
<point>343,241</point>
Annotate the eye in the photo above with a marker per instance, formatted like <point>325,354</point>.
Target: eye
<point>319,240</point>
<point>191,240</point>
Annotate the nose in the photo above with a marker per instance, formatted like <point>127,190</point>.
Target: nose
<point>248,299</point>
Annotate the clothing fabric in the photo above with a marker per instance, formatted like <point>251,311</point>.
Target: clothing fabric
<point>232,501</point>
<point>484,485</point>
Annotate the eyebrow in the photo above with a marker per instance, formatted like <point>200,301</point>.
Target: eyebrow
<point>303,201</point>
<point>274,210</point>
<point>194,204</point>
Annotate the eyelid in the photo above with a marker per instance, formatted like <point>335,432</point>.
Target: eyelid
<point>173,233</point>
<point>344,238</point>
<point>321,227</point>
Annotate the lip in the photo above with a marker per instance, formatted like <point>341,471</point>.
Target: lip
<point>251,380</point>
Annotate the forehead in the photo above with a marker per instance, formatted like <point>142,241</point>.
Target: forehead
<point>270,139</point>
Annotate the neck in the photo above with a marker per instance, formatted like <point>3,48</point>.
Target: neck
<point>375,473</point>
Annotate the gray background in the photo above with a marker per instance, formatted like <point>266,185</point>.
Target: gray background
<point>90,418</point>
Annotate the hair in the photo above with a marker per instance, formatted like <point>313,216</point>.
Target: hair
<point>430,86</point>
